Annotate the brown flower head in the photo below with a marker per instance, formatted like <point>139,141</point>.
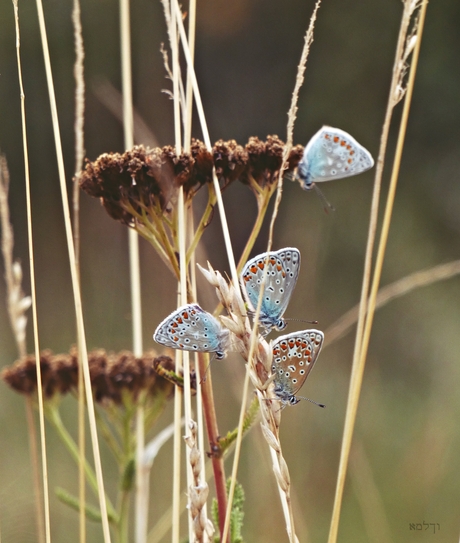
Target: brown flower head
<point>230,160</point>
<point>143,178</point>
<point>59,374</point>
<point>112,375</point>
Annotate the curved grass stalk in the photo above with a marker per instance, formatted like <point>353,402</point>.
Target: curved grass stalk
<point>395,290</point>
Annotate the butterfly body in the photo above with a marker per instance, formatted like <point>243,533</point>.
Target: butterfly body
<point>294,356</point>
<point>282,270</point>
<point>332,154</point>
<point>190,328</point>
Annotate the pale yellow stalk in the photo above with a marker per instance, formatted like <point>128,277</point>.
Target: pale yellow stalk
<point>74,274</point>
<point>32,284</point>
<point>358,371</point>
<point>79,157</point>
<point>180,355</point>
<point>140,514</point>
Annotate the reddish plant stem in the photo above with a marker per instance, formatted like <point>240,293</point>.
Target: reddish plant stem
<point>213,436</point>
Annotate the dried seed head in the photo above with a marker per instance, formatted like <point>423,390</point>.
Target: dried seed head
<point>230,160</point>
<point>112,375</point>
<point>143,178</point>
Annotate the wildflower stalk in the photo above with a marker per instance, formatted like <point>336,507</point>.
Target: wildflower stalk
<point>53,415</point>
<point>204,221</point>
<point>213,438</point>
<point>262,205</point>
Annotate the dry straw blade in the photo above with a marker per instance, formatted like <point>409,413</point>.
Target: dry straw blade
<point>368,309</point>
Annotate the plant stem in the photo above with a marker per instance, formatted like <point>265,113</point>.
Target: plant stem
<point>54,417</point>
<point>213,436</point>
<point>123,511</point>
<point>203,222</point>
<point>262,205</point>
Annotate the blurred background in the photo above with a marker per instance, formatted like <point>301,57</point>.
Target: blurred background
<point>405,457</point>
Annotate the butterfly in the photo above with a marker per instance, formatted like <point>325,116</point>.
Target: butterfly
<point>281,277</point>
<point>332,154</point>
<point>190,328</point>
<point>294,356</point>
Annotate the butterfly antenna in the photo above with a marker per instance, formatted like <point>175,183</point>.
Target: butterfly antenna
<point>302,320</point>
<point>312,401</point>
<point>327,205</point>
<point>203,379</point>
<point>289,176</point>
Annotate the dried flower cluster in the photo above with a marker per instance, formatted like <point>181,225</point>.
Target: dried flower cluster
<point>144,178</point>
<point>112,374</point>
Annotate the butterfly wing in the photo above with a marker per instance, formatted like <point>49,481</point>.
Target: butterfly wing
<point>332,154</point>
<point>282,272</point>
<point>192,329</point>
<point>294,356</point>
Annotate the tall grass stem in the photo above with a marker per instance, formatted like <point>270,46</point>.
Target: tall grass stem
<point>358,371</point>
<point>73,272</point>
<point>32,281</point>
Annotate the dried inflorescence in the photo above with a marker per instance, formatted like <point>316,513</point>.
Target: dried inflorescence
<point>237,321</point>
<point>198,491</point>
<point>265,159</point>
<point>112,374</point>
<point>259,370</point>
<point>142,179</point>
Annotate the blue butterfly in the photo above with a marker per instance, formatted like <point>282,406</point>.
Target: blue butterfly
<point>190,328</point>
<point>332,154</point>
<point>281,277</point>
<point>294,356</point>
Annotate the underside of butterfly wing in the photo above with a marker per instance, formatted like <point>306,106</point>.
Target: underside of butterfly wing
<point>294,356</point>
<point>282,270</point>
<point>332,154</point>
<point>192,329</point>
